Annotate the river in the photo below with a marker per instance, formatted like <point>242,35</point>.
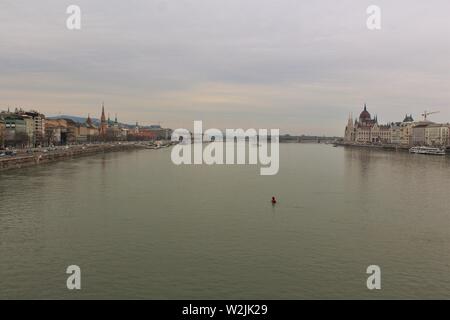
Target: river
<point>140,227</point>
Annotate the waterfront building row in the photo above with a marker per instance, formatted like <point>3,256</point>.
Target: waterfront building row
<point>367,130</point>
<point>26,129</point>
<point>23,128</point>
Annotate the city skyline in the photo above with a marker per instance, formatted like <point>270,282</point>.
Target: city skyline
<point>142,123</point>
<point>300,67</point>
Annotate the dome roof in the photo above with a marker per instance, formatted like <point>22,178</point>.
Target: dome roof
<point>365,115</point>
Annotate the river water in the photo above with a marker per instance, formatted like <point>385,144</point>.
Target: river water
<point>140,227</point>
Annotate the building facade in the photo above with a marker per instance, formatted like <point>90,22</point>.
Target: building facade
<point>406,130</point>
<point>396,133</point>
<point>366,130</point>
<point>161,133</point>
<point>418,133</point>
<point>61,131</point>
<point>16,131</point>
<point>38,122</point>
<point>2,132</point>
<point>92,130</point>
<point>437,135</point>
<point>29,123</point>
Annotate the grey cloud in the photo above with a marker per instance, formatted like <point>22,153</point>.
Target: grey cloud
<point>314,61</point>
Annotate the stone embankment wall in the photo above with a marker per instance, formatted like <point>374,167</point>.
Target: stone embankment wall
<point>21,161</point>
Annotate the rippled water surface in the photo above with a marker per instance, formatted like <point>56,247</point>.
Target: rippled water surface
<point>141,227</point>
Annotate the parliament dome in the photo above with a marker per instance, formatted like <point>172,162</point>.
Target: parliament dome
<point>365,115</point>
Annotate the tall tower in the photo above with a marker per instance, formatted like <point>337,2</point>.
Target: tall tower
<point>103,123</point>
<point>89,120</point>
<point>349,129</point>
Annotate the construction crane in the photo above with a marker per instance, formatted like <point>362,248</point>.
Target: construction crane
<point>425,114</point>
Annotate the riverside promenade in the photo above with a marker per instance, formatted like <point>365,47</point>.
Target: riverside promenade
<point>45,155</point>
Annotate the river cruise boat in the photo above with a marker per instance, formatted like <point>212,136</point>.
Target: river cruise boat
<point>427,150</point>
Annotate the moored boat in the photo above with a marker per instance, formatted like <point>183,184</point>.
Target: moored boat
<point>428,150</point>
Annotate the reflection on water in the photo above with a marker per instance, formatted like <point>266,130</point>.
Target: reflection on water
<point>141,227</point>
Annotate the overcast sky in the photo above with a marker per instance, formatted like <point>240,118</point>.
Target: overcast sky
<point>301,66</point>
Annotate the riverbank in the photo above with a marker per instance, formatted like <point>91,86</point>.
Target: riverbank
<point>23,160</point>
<point>388,147</point>
<point>374,146</point>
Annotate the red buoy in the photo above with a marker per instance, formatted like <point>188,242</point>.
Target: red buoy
<point>274,200</point>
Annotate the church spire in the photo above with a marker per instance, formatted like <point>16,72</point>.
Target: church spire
<point>103,124</point>
<point>88,120</point>
<point>103,118</point>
